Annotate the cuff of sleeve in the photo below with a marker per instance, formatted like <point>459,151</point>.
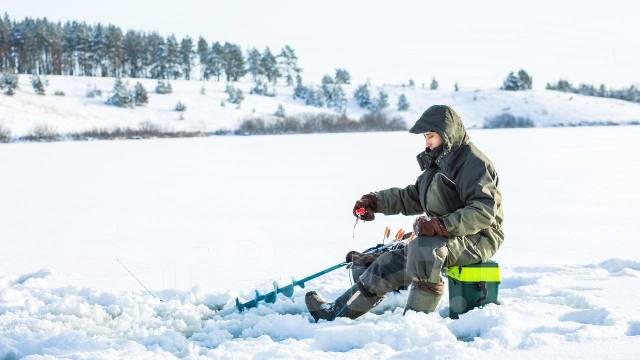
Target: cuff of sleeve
<point>448,225</point>
<point>382,203</point>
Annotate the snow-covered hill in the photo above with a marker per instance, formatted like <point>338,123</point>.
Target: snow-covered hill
<point>203,220</point>
<point>74,112</point>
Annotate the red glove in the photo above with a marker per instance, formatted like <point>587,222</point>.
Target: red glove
<point>370,204</point>
<point>430,227</point>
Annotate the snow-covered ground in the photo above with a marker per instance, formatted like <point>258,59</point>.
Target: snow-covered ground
<point>203,220</point>
<point>74,112</point>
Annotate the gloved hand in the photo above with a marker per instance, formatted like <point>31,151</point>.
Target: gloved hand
<point>430,227</point>
<point>370,204</point>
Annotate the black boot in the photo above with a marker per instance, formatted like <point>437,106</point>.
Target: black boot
<point>353,303</point>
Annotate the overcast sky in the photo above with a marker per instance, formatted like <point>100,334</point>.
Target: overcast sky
<point>473,42</point>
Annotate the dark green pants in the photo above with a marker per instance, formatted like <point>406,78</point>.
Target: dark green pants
<point>422,259</point>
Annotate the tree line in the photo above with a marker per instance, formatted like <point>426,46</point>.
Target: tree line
<point>42,47</point>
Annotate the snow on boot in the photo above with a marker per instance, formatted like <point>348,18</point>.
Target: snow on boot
<point>424,296</point>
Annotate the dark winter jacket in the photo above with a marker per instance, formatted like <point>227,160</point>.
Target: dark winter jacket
<point>458,184</point>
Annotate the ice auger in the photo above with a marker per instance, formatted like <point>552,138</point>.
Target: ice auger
<point>288,290</point>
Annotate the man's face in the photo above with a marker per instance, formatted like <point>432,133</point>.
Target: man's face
<point>433,139</point>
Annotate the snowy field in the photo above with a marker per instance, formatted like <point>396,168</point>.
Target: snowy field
<point>74,112</point>
<point>203,220</point>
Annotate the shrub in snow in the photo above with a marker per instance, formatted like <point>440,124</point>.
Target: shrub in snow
<point>5,134</point>
<point>378,121</point>
<point>262,88</point>
<point>280,111</point>
<point>234,95</point>
<point>140,95</point>
<point>9,83</point>
<point>59,93</point>
<point>42,133</point>
<point>38,85</point>
<point>93,92</point>
<point>222,103</point>
<point>150,129</point>
<point>164,87</point>
<point>180,107</point>
<point>507,120</point>
<point>121,96</point>
<point>434,84</point>
<point>403,103</point>
<point>319,123</point>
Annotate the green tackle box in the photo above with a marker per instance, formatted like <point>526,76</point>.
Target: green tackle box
<point>471,286</point>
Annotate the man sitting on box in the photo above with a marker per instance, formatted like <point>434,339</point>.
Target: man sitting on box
<point>458,190</point>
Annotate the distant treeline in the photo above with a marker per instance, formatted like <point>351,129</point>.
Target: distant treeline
<point>39,46</point>
<point>630,94</point>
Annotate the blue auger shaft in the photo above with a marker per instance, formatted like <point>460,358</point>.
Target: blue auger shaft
<point>287,291</point>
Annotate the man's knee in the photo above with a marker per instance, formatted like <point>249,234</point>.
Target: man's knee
<point>386,274</point>
<point>425,258</point>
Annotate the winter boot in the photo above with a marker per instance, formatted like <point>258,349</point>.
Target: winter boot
<point>352,304</point>
<point>424,296</point>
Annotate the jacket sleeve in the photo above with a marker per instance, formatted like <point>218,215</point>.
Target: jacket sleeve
<point>396,200</point>
<point>478,189</point>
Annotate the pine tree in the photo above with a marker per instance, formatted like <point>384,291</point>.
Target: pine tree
<point>5,43</point>
<point>337,99</point>
<point>215,61</point>
<point>381,102</point>
<point>269,65</point>
<point>114,51</point>
<point>203,57</point>
<point>288,64</point>
<point>511,83</point>
<point>133,44</point>
<point>37,84</point>
<point>342,76</point>
<point>300,91</point>
<point>172,58</point>
<point>121,96</point>
<point>157,49</point>
<point>403,103</point>
<point>362,96</point>
<point>434,84</point>
<point>186,57</point>
<point>140,95</point>
<point>526,81</point>
<point>98,51</point>
<point>253,63</point>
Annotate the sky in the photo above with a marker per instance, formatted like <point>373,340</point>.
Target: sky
<point>474,43</point>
